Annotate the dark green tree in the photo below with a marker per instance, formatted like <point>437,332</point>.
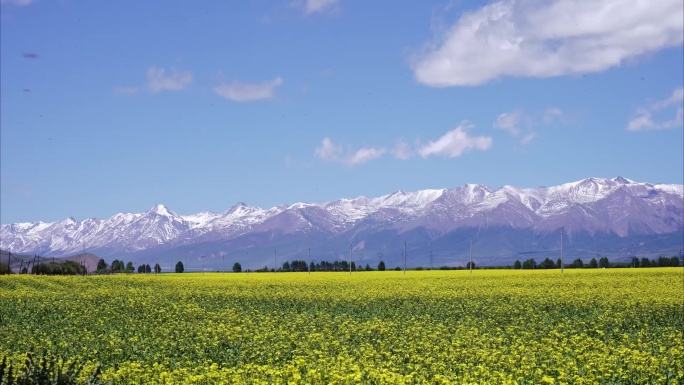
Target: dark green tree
<point>547,264</point>
<point>635,262</point>
<point>312,266</point>
<point>353,266</point>
<point>577,263</point>
<point>559,263</point>
<point>238,268</point>
<point>286,266</point>
<point>148,269</point>
<point>468,265</point>
<point>645,262</point>
<point>663,261</point>
<point>654,263</point>
<point>593,264</point>
<point>129,267</point>
<point>179,267</point>
<point>141,269</point>
<point>381,266</point>
<point>157,268</point>
<point>603,262</point>
<point>368,268</point>
<point>517,264</point>
<point>674,261</point>
<point>529,264</point>
<point>101,264</point>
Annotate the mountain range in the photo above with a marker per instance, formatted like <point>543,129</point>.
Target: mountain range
<point>614,217</point>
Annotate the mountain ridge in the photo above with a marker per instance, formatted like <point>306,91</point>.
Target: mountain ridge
<point>612,207</point>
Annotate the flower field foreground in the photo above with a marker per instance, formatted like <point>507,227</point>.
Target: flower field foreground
<point>613,326</point>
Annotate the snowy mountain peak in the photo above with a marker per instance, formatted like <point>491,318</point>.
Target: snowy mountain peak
<point>160,209</point>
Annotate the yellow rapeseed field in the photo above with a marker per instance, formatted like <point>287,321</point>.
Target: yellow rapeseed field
<point>612,326</point>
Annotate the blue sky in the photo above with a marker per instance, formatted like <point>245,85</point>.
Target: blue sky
<point>111,107</point>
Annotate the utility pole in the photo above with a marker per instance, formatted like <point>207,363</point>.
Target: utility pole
<point>404,257</point>
<point>275,265</point>
<point>309,264</point>
<point>224,263</point>
<point>248,263</point>
<point>350,257</point>
<point>562,263</point>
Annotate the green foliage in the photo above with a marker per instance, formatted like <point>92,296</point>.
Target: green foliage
<point>593,264</point>
<point>547,264</point>
<point>101,264</point>
<point>381,266</point>
<point>179,267</point>
<point>645,262</point>
<point>469,264</point>
<point>603,262</point>
<point>238,268</point>
<point>157,268</point>
<point>46,370</point>
<point>5,269</point>
<point>63,268</point>
<point>517,264</point>
<point>674,261</point>
<point>635,262</point>
<point>559,263</point>
<point>577,263</point>
<point>529,264</point>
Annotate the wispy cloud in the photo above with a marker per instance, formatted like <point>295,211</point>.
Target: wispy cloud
<point>21,3</point>
<point>30,55</point>
<point>244,92</point>
<point>455,143</point>
<point>159,79</point>
<point>509,121</point>
<point>521,125</point>
<point>314,6</point>
<point>644,121</point>
<point>402,150</point>
<point>331,152</point>
<point>528,38</point>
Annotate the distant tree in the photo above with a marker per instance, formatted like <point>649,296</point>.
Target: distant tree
<point>129,267</point>
<point>645,262</point>
<point>157,268</point>
<point>344,266</point>
<point>547,263</point>
<point>238,268</point>
<point>603,262</point>
<point>577,263</point>
<point>381,266</point>
<point>5,268</point>
<point>559,263</point>
<point>663,261</point>
<point>593,264</point>
<point>179,267</point>
<point>286,266</point>
<point>674,261</point>
<point>101,264</point>
<point>141,269</point>
<point>148,269</point>
<point>397,268</point>
<point>368,268</point>
<point>353,266</point>
<point>468,265</point>
<point>635,262</point>
<point>517,264</point>
<point>654,263</point>
<point>529,264</point>
<point>312,266</point>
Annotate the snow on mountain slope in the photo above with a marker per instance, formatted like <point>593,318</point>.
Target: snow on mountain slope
<point>618,205</point>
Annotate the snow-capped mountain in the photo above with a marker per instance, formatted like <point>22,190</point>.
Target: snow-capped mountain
<point>616,215</point>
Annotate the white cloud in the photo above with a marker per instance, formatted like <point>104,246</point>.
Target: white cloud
<point>245,92</point>
<point>313,6</point>
<point>644,115</point>
<point>20,3</point>
<point>455,142</point>
<point>509,121</point>
<point>158,79</point>
<point>518,123</point>
<point>332,152</point>
<point>402,150</point>
<point>539,39</point>
<point>329,151</point>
